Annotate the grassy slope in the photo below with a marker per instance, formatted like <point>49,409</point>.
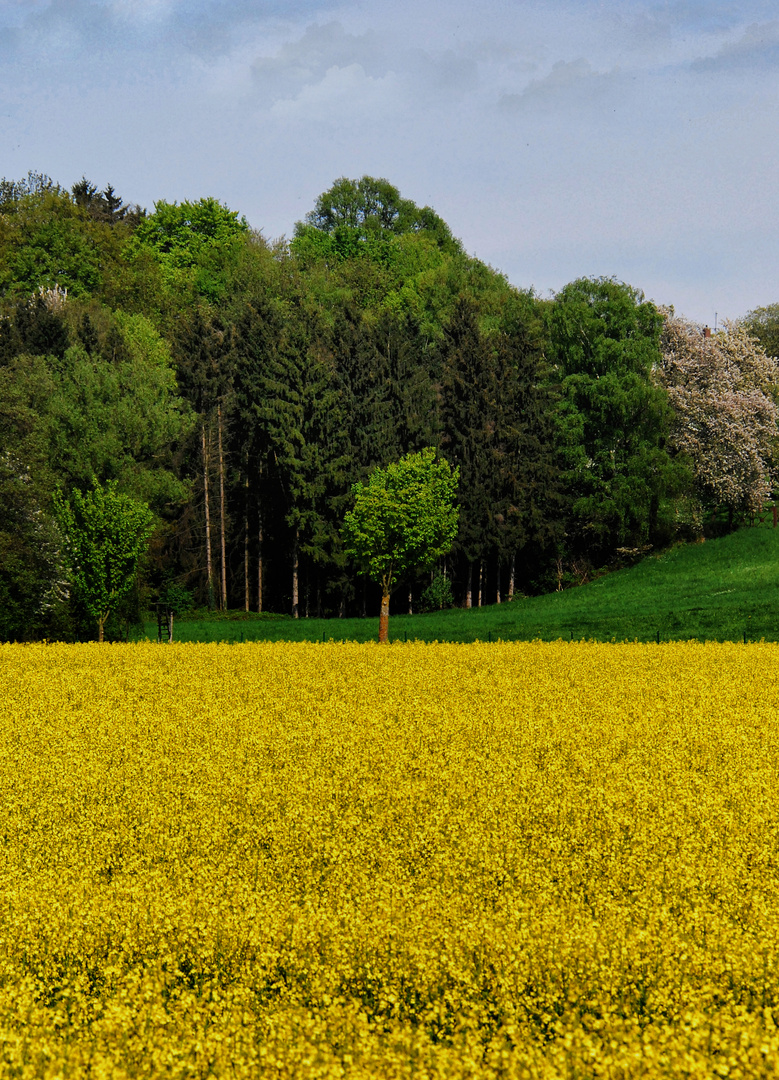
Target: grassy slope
<point>718,590</point>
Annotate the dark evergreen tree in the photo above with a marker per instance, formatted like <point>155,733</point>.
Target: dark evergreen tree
<point>529,511</point>
<point>469,402</point>
<point>299,410</point>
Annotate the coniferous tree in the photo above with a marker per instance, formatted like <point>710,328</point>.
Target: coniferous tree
<point>469,401</point>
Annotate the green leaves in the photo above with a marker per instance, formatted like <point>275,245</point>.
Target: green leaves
<point>193,242</point>
<point>358,210</point>
<point>105,535</point>
<point>613,419</point>
<point>404,518</point>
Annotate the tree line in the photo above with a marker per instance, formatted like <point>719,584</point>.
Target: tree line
<point>239,387</point>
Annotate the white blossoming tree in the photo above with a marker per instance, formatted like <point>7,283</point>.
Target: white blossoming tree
<point>722,390</point>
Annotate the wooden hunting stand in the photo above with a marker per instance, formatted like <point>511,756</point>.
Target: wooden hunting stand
<point>164,620</point>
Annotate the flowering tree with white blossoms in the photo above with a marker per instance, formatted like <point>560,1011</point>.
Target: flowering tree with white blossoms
<point>722,389</point>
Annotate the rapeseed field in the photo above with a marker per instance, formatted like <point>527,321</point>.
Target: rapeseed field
<point>316,861</point>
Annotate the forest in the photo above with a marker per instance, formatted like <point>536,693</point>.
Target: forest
<point>240,386</point>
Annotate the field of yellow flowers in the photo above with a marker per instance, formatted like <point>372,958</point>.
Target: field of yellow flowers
<point>268,860</point>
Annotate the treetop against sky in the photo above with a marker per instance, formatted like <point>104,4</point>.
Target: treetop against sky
<point>556,139</point>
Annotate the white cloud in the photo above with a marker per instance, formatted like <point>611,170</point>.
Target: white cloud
<point>755,50</point>
<point>338,97</point>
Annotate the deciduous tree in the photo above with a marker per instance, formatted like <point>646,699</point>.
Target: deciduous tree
<point>613,417</point>
<point>105,534</point>
<point>721,388</point>
<point>404,519</point>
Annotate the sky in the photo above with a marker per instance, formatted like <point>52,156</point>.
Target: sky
<point>558,138</point>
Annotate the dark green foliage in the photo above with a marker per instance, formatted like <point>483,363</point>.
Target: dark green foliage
<point>438,595</point>
<point>174,597</point>
<point>355,213</point>
<point>31,592</point>
<point>613,420</point>
<point>181,355</point>
<point>497,422</point>
<point>35,327</point>
<point>104,205</point>
<point>470,395</point>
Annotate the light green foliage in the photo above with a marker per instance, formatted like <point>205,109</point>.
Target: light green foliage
<point>354,212</point>
<point>192,242</point>
<point>47,241</point>
<point>119,416</point>
<point>364,242</point>
<point>404,518</point>
<point>152,415</point>
<point>763,324</point>
<point>105,534</point>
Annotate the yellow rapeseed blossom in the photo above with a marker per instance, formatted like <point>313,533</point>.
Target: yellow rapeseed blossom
<point>429,861</point>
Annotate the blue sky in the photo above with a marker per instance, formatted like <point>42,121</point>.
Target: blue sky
<point>557,139</point>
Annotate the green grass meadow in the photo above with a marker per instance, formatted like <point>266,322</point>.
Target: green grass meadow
<point>720,590</point>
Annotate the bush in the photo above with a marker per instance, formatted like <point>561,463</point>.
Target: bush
<point>438,595</point>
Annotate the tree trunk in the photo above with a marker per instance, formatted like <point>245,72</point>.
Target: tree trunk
<point>259,564</point>
<point>246,539</point>
<point>481,578</point>
<point>222,505</point>
<point>512,574</point>
<point>497,581</point>
<point>469,586</point>
<point>209,568</point>
<point>101,626</point>
<point>410,602</point>
<point>384,617</point>
<point>295,572</point>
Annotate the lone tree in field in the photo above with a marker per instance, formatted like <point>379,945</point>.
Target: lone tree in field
<point>105,534</point>
<point>404,518</point>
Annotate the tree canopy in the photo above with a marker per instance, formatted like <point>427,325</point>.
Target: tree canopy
<point>372,208</point>
<point>404,518</point>
<point>721,389</point>
<point>105,534</point>
<point>241,388</point>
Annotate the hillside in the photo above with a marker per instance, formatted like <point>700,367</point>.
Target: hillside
<point>718,590</point>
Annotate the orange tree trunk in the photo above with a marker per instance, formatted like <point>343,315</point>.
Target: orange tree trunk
<point>384,618</point>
